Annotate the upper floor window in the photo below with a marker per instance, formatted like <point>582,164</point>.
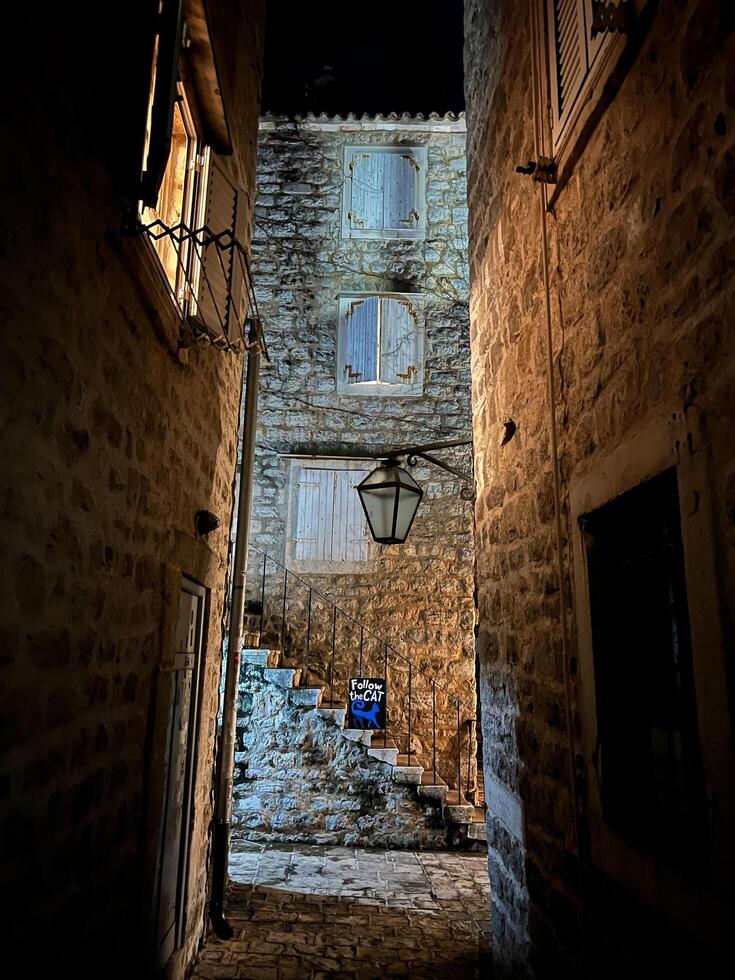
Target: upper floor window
<point>180,196</point>
<point>380,345</point>
<point>328,529</point>
<point>584,47</point>
<point>384,193</point>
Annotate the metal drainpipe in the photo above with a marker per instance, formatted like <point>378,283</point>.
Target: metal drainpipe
<point>226,759</point>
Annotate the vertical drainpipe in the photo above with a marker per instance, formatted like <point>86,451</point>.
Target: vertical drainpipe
<point>226,757</point>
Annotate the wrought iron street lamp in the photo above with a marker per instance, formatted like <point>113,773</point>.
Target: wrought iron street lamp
<point>390,496</point>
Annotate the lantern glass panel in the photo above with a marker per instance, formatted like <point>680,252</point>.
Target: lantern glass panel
<point>379,504</point>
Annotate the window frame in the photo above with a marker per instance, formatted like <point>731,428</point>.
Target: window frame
<point>324,566</point>
<point>383,389</point>
<point>384,234</point>
<point>193,201</point>
<point>665,440</point>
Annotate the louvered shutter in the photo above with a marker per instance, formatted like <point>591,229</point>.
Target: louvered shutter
<point>397,342</point>
<point>217,265</point>
<point>366,201</point>
<point>567,57</point>
<point>399,200</point>
<point>361,353</point>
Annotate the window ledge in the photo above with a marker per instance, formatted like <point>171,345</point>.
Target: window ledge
<point>377,390</point>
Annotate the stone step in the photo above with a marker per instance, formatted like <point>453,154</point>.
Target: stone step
<point>259,658</point>
<point>335,715</point>
<point>477,827</point>
<point>410,775</point>
<point>457,808</point>
<point>385,753</point>
<point>432,786</point>
<point>282,676</point>
<point>358,735</point>
<point>305,697</point>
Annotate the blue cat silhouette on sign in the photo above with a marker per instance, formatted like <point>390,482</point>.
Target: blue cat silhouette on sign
<point>367,703</point>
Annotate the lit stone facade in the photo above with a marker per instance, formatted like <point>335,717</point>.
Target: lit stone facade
<point>417,596</point>
<point>641,281</point>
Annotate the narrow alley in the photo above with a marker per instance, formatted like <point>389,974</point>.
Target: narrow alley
<point>367,417</point>
<point>303,911</point>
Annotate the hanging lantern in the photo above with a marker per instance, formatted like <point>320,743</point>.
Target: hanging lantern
<point>390,498</point>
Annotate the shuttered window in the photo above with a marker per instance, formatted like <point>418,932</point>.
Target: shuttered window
<point>329,521</point>
<point>384,192</point>
<point>380,344</point>
<point>572,54</point>
<point>221,291</point>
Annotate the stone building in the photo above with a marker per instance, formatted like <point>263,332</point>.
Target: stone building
<point>359,252</point>
<point>119,425</point>
<point>606,643</point>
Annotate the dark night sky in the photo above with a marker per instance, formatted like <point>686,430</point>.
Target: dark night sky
<point>386,56</point>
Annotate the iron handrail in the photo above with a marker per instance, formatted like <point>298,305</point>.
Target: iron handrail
<point>356,622</point>
<point>459,703</point>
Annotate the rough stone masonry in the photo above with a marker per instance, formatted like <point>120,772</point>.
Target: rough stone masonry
<point>418,596</point>
<point>641,255</point>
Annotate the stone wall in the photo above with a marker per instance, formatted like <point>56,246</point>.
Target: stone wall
<point>112,439</point>
<point>642,303</point>
<point>417,596</point>
<point>298,779</point>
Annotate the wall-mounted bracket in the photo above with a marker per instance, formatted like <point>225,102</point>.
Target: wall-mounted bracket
<point>611,18</point>
<point>542,170</point>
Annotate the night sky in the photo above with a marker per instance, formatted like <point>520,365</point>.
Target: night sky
<point>398,56</point>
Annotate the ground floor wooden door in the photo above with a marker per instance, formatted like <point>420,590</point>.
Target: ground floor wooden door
<point>183,683</point>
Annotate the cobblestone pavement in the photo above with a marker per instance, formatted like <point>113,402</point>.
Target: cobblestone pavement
<point>315,912</point>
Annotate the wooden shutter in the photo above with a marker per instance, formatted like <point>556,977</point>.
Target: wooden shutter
<point>348,538</point>
<point>397,341</point>
<point>312,501</point>
<point>213,307</point>
<point>366,199</point>
<point>567,59</point>
<point>400,187</point>
<point>329,522</point>
<point>361,349</point>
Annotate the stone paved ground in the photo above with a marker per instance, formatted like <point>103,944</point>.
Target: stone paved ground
<point>316,912</point>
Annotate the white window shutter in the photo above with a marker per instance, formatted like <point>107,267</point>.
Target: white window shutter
<point>398,335</point>
<point>366,200</point>
<point>330,525</point>
<point>361,349</point>
<point>221,215</point>
<point>400,182</point>
<point>309,503</point>
<point>567,58</point>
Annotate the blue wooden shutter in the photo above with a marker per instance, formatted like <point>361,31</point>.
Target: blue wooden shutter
<point>366,201</point>
<point>397,342</point>
<point>399,201</point>
<point>361,361</point>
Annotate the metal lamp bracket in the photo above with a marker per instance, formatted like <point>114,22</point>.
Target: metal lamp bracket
<point>611,18</point>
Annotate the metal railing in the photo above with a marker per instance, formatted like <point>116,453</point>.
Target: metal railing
<point>408,713</point>
<point>195,284</point>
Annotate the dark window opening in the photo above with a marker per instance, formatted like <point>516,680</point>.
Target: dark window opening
<point>648,756</point>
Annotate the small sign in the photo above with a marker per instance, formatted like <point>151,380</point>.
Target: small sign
<point>366,707</point>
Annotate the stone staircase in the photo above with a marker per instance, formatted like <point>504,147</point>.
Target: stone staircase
<point>464,821</point>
